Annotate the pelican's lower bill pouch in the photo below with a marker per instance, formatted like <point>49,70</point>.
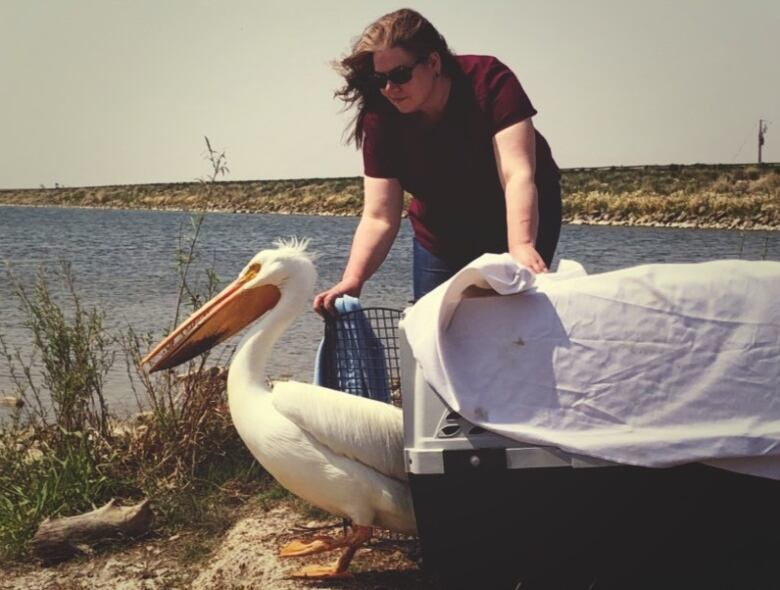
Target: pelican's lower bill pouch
<point>493,513</point>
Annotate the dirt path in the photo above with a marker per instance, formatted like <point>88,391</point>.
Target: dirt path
<point>245,559</point>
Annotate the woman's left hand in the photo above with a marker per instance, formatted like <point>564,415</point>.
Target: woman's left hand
<point>527,255</point>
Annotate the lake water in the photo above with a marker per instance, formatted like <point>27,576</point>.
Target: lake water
<point>125,264</point>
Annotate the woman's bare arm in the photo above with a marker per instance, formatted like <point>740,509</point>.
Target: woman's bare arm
<point>515,150</point>
<point>379,223</point>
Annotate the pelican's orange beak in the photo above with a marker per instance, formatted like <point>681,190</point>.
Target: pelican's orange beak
<point>226,314</point>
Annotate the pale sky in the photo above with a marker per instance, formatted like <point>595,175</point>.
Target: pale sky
<point>96,92</point>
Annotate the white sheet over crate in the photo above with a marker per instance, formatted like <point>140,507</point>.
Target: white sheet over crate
<point>653,365</point>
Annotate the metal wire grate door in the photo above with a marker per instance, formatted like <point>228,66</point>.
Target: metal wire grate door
<point>361,353</point>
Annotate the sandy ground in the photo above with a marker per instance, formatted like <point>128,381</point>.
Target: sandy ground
<point>245,559</point>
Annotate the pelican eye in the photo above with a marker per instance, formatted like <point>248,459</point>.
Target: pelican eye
<point>251,272</point>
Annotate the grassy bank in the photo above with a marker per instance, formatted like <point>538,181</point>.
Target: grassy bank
<point>731,196</point>
<point>63,452</point>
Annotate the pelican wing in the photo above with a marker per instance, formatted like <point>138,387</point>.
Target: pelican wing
<point>355,427</point>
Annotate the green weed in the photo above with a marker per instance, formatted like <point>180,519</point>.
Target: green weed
<point>63,453</point>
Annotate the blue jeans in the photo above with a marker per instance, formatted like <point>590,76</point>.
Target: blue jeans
<point>428,271</point>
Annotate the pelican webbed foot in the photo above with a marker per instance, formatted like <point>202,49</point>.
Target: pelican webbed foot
<point>320,572</point>
<point>298,548</point>
<point>352,542</point>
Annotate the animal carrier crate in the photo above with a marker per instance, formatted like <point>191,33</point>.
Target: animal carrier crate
<point>495,513</point>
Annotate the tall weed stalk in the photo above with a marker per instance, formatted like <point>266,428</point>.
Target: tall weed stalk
<point>56,451</point>
<point>185,439</point>
<point>71,357</point>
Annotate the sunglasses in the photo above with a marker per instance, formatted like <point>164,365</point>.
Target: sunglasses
<point>398,76</point>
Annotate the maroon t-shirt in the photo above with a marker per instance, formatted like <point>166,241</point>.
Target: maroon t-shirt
<point>458,209</point>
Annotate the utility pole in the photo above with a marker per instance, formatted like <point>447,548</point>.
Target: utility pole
<point>762,125</point>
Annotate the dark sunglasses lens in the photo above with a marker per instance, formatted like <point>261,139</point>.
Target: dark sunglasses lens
<point>400,75</point>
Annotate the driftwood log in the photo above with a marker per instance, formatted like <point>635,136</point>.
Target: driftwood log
<point>63,538</point>
<point>11,401</point>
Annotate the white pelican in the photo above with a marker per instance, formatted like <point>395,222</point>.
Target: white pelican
<point>340,452</point>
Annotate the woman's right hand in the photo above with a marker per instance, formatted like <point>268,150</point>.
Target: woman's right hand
<point>324,302</point>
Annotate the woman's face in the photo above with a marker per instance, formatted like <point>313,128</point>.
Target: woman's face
<point>412,96</point>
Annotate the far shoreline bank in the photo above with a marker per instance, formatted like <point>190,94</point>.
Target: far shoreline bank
<point>730,197</point>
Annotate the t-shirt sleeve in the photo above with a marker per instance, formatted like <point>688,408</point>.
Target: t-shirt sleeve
<point>379,160</point>
<point>506,101</point>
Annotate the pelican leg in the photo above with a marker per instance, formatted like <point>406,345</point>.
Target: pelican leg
<point>338,569</point>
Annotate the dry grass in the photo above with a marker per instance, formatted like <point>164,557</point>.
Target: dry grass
<point>736,195</point>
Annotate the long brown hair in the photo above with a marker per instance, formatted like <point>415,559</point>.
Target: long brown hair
<point>403,28</point>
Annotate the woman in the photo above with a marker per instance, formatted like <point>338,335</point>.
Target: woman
<point>455,132</point>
